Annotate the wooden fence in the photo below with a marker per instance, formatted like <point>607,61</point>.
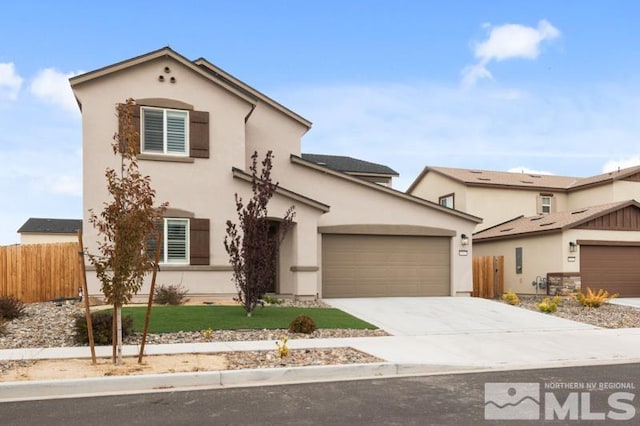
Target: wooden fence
<point>39,272</point>
<point>488,276</point>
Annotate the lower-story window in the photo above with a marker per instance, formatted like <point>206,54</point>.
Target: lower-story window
<point>175,241</point>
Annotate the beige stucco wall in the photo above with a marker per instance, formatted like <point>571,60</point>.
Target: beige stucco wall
<point>626,190</point>
<point>28,238</point>
<point>434,185</point>
<point>498,205</point>
<point>540,254</point>
<point>269,129</point>
<point>590,196</point>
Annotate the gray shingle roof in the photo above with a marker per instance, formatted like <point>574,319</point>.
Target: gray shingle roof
<point>51,226</point>
<point>349,165</point>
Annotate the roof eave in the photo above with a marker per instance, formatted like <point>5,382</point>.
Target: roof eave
<point>254,92</point>
<point>163,52</point>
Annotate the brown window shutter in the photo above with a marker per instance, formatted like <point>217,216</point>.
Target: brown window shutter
<point>199,241</point>
<point>199,134</point>
<point>135,117</point>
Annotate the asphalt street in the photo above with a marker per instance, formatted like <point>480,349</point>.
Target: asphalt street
<point>575,395</point>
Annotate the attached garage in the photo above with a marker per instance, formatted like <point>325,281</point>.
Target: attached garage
<point>613,267</point>
<point>357,265</point>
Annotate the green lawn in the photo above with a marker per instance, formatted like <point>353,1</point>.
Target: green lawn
<point>168,319</point>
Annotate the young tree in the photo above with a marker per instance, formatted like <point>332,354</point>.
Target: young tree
<point>126,225</point>
<point>252,244</point>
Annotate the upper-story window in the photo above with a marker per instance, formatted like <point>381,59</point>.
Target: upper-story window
<point>165,131</point>
<point>447,201</point>
<point>546,204</point>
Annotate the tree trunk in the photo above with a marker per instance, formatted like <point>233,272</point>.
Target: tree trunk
<point>119,334</point>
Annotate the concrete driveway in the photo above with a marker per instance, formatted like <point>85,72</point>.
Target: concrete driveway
<point>423,316</point>
<point>627,301</point>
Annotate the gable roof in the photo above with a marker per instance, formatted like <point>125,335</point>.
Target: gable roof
<point>492,178</point>
<point>552,222</point>
<point>394,192</point>
<point>349,165</point>
<point>50,226</point>
<point>201,67</point>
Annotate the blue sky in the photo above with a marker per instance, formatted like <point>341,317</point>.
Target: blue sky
<point>502,85</point>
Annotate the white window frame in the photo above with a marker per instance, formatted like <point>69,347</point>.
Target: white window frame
<point>445,199</point>
<point>545,205</point>
<point>165,242</point>
<point>165,151</point>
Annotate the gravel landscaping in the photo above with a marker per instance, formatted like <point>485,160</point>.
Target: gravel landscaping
<point>49,325</point>
<point>606,316</point>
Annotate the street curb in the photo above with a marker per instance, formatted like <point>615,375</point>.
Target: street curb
<point>87,387</point>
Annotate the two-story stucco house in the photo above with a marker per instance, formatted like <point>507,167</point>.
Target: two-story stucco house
<point>576,231</point>
<point>353,234</point>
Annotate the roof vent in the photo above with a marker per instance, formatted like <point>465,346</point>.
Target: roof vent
<point>526,181</point>
<point>506,230</point>
<point>484,179</point>
<point>479,172</point>
<point>536,218</point>
<point>547,224</point>
<point>579,211</point>
<point>535,176</point>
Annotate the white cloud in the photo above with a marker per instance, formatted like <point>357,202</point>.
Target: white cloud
<point>528,171</point>
<point>613,165</point>
<point>53,86</point>
<point>10,81</point>
<point>507,42</point>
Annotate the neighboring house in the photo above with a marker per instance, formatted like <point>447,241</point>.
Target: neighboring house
<point>596,247</point>
<point>44,230</point>
<point>582,229</point>
<point>499,196</point>
<point>199,127</point>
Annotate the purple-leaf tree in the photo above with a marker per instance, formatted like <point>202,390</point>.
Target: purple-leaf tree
<point>252,243</point>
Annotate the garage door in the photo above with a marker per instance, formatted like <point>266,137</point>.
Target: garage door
<point>613,268</point>
<point>385,265</point>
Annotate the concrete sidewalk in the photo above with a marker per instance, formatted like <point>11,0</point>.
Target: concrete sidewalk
<point>403,355</point>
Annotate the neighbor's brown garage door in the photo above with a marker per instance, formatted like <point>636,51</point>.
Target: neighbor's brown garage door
<point>613,268</point>
<point>385,265</point>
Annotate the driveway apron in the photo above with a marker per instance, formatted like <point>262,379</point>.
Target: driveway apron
<point>423,316</point>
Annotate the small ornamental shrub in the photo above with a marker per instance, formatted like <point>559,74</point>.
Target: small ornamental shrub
<point>3,326</point>
<point>207,334</point>
<point>270,300</point>
<point>11,308</point>
<point>169,295</point>
<point>283,349</point>
<point>302,324</point>
<point>102,322</point>
<point>557,300</point>
<point>594,300</point>
<point>511,298</point>
<point>547,305</point>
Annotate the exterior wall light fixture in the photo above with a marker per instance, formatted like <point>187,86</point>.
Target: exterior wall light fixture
<point>573,247</point>
<point>464,240</point>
